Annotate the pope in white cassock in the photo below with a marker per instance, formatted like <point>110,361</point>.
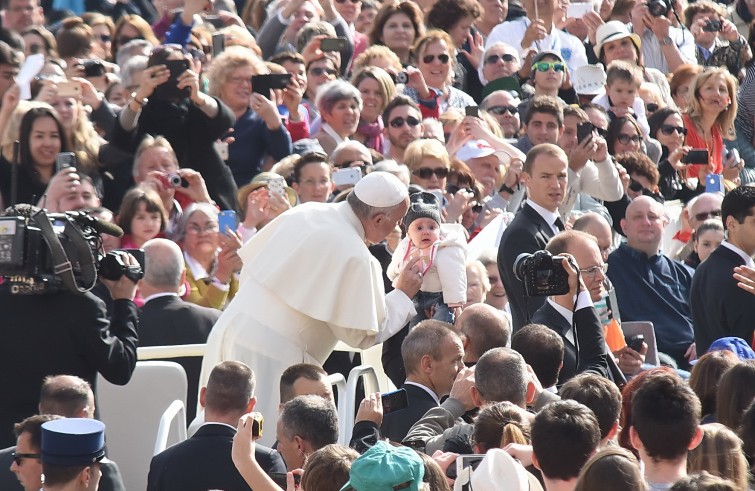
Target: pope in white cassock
<point>309,281</point>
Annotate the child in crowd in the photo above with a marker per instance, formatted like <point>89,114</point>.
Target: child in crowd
<point>622,95</point>
<point>142,217</point>
<point>442,264</point>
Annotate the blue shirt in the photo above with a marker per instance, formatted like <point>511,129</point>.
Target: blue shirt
<point>654,289</point>
<point>254,141</point>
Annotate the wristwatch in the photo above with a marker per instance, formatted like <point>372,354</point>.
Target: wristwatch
<point>140,102</point>
<point>666,41</point>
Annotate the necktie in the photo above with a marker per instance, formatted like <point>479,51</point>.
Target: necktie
<point>559,224</point>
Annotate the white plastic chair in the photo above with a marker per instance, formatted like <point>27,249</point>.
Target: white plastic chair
<point>346,413</point>
<point>133,415</point>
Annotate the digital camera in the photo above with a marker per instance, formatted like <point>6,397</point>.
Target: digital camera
<point>542,274</point>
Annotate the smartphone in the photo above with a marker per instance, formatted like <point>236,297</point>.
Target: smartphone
<point>578,10</point>
<point>732,154</point>
<point>584,130</point>
<point>169,90</point>
<point>218,43</point>
<point>473,111</point>
<point>714,183</point>
<point>277,186</point>
<point>712,25</point>
<point>69,88</point>
<point>462,462</point>
<point>64,160</point>
<point>347,177</point>
<point>262,84</point>
<point>214,19</point>
<point>635,342</point>
<point>393,401</point>
<point>222,148</point>
<point>334,44</point>
<point>227,221</point>
<point>279,478</point>
<point>696,156</point>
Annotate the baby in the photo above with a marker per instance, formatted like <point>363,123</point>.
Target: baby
<point>622,96</point>
<point>442,260</point>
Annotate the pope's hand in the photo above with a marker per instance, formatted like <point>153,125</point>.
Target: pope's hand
<point>409,280</point>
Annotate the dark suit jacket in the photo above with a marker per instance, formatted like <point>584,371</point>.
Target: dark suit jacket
<point>397,424</point>
<point>719,307</point>
<point>204,462</point>
<point>593,355</point>
<point>168,321</point>
<point>111,479</point>
<point>528,232</point>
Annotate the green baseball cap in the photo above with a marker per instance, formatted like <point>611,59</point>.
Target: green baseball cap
<point>383,467</point>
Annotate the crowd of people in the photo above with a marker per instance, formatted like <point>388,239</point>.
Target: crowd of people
<point>483,187</point>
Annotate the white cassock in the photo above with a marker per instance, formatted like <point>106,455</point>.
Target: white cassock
<point>308,282</point>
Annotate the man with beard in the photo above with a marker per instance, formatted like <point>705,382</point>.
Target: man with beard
<point>403,125</point>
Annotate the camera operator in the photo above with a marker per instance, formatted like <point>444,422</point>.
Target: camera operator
<point>664,47</point>
<point>717,41</point>
<point>63,332</point>
<point>574,317</point>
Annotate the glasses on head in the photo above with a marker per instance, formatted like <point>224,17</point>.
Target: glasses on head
<point>430,58</point>
<point>399,122</point>
<point>427,173</point>
<point>544,66</point>
<point>700,217</point>
<point>19,457</point>
<point>625,139</point>
<point>319,71</point>
<point>591,272</point>
<point>193,229</point>
<point>652,107</point>
<point>501,110</point>
<point>506,58</point>
<point>668,129</point>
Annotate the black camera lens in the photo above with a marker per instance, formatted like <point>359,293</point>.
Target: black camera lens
<point>658,8</point>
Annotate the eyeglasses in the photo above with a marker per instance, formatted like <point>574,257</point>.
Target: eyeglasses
<point>501,110</point>
<point>624,139</point>
<point>427,173</point>
<point>430,58</point>
<point>105,38</point>
<point>700,217</point>
<point>591,272</point>
<point>506,58</point>
<point>399,122</point>
<point>544,66</point>
<point>667,129</point>
<point>652,107</point>
<point>320,71</point>
<point>196,230</point>
<point>350,163</point>
<point>239,80</point>
<point>19,457</point>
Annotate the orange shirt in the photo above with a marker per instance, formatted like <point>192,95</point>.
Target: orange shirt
<point>614,336</point>
<point>697,141</point>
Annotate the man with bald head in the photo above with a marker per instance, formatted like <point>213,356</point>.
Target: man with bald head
<point>649,285</point>
<point>482,327</point>
<point>165,318</point>
<point>596,225</point>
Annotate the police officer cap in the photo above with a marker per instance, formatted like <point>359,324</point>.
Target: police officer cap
<point>73,442</point>
<point>381,190</point>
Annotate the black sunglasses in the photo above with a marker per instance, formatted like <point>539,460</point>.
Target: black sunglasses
<point>501,110</point>
<point>399,122</point>
<point>707,214</point>
<point>430,58</point>
<point>668,129</point>
<point>104,37</point>
<point>625,139</point>
<point>506,58</point>
<point>652,107</point>
<point>427,173</point>
<point>19,457</point>
<point>635,186</point>
<point>319,71</point>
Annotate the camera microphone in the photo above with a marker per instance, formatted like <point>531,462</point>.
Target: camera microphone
<point>100,226</point>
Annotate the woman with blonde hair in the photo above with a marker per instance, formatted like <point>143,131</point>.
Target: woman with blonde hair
<point>258,130</point>
<point>498,425</point>
<point>429,163</point>
<point>720,454</point>
<point>709,120</point>
<point>378,56</point>
<point>377,90</point>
